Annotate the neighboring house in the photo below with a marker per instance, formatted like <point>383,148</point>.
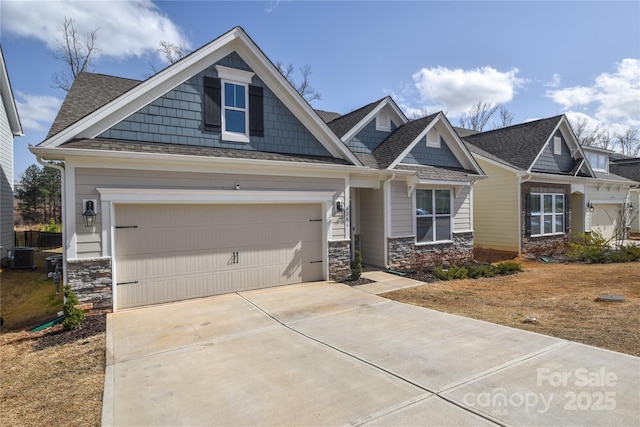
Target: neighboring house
<point>629,168</point>
<point>540,187</point>
<point>9,127</point>
<point>215,176</point>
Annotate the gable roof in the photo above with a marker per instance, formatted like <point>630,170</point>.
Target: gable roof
<point>400,139</point>
<point>8,99</point>
<point>142,94</point>
<point>328,116</point>
<point>343,124</point>
<point>518,145</point>
<point>89,92</point>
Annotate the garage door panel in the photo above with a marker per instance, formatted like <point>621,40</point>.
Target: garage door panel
<point>189,251</point>
<point>603,219</point>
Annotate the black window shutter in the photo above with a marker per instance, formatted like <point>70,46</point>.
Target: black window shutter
<point>212,102</point>
<point>256,111</point>
<point>567,211</point>
<point>527,218</point>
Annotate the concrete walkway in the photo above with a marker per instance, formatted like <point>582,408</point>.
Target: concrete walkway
<point>328,354</point>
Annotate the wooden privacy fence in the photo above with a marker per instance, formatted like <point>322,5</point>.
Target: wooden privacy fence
<point>38,239</point>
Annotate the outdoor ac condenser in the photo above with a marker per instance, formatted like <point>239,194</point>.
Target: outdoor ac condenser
<point>20,257</point>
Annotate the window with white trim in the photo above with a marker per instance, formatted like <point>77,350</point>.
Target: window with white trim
<point>547,214</point>
<point>235,103</point>
<point>433,215</point>
<point>599,162</point>
<point>433,139</point>
<point>557,145</point>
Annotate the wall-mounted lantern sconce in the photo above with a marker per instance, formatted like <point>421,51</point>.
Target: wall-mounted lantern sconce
<point>339,206</point>
<point>630,207</point>
<point>89,214</point>
<point>590,206</point>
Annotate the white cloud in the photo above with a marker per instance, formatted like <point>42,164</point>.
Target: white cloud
<point>613,97</point>
<point>456,90</point>
<point>554,82</point>
<point>126,28</point>
<point>37,112</point>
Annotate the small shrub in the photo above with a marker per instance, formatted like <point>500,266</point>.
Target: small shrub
<point>51,227</point>
<point>480,270</point>
<point>619,256</point>
<point>508,267</point>
<point>73,315</point>
<point>633,250</point>
<point>591,248</point>
<point>356,266</point>
<point>451,273</point>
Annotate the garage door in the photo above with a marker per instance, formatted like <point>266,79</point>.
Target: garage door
<point>603,219</point>
<point>173,252</point>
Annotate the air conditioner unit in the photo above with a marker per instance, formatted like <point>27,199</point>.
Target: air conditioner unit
<point>20,257</point>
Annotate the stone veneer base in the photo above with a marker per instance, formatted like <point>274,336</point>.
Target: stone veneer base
<point>405,255</point>
<point>90,280</point>
<point>339,260</point>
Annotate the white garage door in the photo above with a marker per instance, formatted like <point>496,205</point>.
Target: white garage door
<point>603,218</point>
<point>173,252</point>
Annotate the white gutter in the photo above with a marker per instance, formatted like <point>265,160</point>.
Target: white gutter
<point>63,211</point>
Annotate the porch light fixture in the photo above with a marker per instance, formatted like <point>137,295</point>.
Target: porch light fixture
<point>630,206</point>
<point>89,214</point>
<point>590,206</point>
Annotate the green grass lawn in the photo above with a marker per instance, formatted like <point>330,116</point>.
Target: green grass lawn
<point>28,298</point>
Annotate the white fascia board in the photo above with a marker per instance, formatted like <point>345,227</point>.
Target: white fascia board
<point>172,195</point>
<point>574,140</point>
<point>184,163</point>
<point>461,149</point>
<point>395,114</point>
<point>7,98</point>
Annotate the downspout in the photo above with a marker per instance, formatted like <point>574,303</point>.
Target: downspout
<point>520,182</point>
<point>387,217</point>
<point>63,211</point>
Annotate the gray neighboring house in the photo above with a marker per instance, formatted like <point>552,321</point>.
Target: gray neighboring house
<point>542,187</point>
<point>215,175</point>
<point>9,127</point>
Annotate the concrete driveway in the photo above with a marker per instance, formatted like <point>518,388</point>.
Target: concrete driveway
<point>327,354</point>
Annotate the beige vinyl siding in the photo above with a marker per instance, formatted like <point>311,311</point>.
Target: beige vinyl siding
<point>496,209</point>
<point>402,214</point>
<point>6,182</point>
<point>87,180</point>
<point>462,210</point>
<point>372,226</point>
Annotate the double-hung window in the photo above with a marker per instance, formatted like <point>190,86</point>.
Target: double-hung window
<point>547,214</point>
<point>433,215</point>
<point>234,108</point>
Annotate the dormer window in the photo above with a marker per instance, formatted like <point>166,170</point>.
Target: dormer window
<point>383,121</point>
<point>557,145</point>
<point>599,162</point>
<point>433,139</point>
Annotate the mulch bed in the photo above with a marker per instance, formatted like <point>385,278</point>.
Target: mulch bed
<point>57,335</point>
<point>360,281</point>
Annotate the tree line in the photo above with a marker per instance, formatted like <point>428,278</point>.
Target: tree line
<point>39,195</point>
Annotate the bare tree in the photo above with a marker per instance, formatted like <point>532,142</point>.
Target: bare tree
<point>478,116</point>
<point>598,137</point>
<point>505,118</point>
<point>171,52</point>
<point>304,88</point>
<point>422,112</point>
<point>629,142</point>
<point>76,51</point>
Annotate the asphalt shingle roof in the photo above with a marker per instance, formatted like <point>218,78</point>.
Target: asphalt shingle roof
<point>88,93</point>
<point>517,145</point>
<point>629,168</point>
<point>438,173</point>
<point>328,116</point>
<point>343,124</point>
<point>190,150</point>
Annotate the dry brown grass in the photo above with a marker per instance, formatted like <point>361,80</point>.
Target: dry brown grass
<point>561,296</point>
<point>57,385</point>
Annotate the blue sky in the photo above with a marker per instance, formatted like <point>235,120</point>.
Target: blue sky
<point>537,59</point>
